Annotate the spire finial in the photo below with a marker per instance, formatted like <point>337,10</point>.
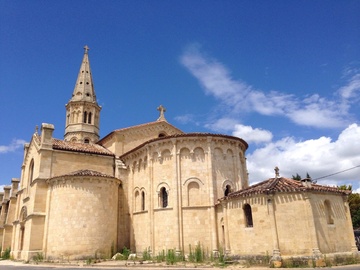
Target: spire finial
<point>36,129</point>
<point>86,48</point>
<point>161,109</point>
<point>277,170</point>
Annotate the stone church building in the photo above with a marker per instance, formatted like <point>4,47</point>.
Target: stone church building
<point>154,187</point>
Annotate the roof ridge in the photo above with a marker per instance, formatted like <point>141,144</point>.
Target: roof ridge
<point>282,185</point>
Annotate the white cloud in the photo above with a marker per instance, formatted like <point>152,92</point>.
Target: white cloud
<point>238,96</point>
<point>352,89</point>
<point>318,157</point>
<point>185,119</point>
<point>13,146</point>
<point>252,135</point>
<point>223,125</point>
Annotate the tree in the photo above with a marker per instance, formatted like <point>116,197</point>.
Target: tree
<point>354,205</point>
<point>297,177</point>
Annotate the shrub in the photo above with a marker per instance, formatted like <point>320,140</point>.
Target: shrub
<point>146,256</point>
<point>6,254</point>
<point>39,257</point>
<point>126,252</point>
<point>161,256</point>
<point>170,257</point>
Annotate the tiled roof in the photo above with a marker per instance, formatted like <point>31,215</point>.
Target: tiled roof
<point>81,147</point>
<point>136,127</point>
<point>85,173</point>
<point>183,135</point>
<point>282,185</point>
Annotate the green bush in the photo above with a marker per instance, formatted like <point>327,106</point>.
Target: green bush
<point>126,252</point>
<point>146,256</point>
<point>6,254</point>
<point>39,257</point>
<point>171,257</point>
<point>160,257</point>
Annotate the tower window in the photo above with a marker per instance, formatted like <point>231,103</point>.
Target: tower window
<point>86,141</point>
<point>89,118</point>
<point>85,117</point>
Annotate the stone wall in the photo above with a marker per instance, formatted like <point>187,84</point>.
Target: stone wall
<point>82,217</point>
<point>194,171</point>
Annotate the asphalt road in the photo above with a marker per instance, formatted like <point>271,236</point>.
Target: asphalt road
<point>32,267</point>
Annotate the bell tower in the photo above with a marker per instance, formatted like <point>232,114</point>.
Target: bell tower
<point>83,111</point>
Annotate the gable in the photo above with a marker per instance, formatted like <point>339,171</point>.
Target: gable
<point>123,140</point>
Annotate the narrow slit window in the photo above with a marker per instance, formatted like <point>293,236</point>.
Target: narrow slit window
<point>248,215</point>
<point>142,200</point>
<point>163,197</point>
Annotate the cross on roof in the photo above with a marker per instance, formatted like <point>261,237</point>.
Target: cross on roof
<point>277,170</point>
<point>86,48</point>
<point>161,109</point>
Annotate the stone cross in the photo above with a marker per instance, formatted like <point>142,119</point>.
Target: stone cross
<point>161,109</point>
<point>277,170</point>
<point>86,48</point>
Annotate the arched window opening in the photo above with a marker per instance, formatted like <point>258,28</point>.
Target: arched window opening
<point>328,212</point>
<point>22,219</point>
<point>22,233</point>
<point>163,197</point>
<point>86,141</point>
<point>194,197</point>
<point>248,215</point>
<point>31,172</point>
<point>137,201</point>
<point>227,190</point>
<point>162,135</point>
<point>85,117</point>
<point>89,118</point>
<point>143,201</point>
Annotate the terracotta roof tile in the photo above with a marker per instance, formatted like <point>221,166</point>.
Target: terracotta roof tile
<point>194,134</point>
<point>81,147</point>
<point>85,173</point>
<point>282,185</point>
<point>136,127</point>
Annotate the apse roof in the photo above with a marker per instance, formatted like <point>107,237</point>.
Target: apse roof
<point>283,185</point>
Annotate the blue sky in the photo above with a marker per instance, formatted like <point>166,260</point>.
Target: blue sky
<point>283,75</point>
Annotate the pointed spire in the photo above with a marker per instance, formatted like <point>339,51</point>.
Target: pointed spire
<point>84,87</point>
<point>83,111</point>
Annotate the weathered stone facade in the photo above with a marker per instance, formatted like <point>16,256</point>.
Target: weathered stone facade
<point>152,186</point>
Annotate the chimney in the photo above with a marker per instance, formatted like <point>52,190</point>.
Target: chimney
<point>14,186</point>
<point>7,193</point>
<point>46,135</point>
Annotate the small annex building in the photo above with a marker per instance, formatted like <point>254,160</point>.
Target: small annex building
<point>154,187</point>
